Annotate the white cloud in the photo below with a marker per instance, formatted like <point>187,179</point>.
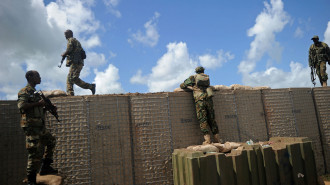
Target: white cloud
<point>107,81</point>
<point>327,34</point>
<point>150,36</point>
<point>299,76</point>
<point>138,78</point>
<point>211,62</point>
<point>270,21</point>
<point>299,33</point>
<point>95,59</point>
<point>32,37</point>
<point>111,5</point>
<point>91,42</point>
<point>171,69</point>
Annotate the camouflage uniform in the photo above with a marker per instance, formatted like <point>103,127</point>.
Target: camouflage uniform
<point>76,64</point>
<point>319,53</point>
<point>33,124</point>
<point>204,106</point>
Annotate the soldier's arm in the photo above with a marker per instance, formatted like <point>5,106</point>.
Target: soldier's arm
<point>188,83</point>
<point>69,48</point>
<point>23,103</point>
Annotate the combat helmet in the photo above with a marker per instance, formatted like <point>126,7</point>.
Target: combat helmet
<point>199,69</point>
<point>315,37</point>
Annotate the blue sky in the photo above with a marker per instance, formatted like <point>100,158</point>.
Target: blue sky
<point>152,46</point>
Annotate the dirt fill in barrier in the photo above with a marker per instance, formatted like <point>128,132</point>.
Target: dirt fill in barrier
<point>152,138</point>
<point>322,101</point>
<point>13,155</point>
<point>240,115</point>
<point>290,113</point>
<point>110,140</point>
<point>185,126</point>
<point>72,153</point>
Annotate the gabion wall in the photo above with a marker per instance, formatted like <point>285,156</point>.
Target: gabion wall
<point>128,139</point>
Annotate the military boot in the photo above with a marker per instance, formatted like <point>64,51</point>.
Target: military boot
<point>324,84</point>
<point>32,179</point>
<point>93,88</point>
<point>207,138</point>
<point>217,138</point>
<point>46,169</point>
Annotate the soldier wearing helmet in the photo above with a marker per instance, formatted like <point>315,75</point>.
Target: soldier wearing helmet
<point>202,93</point>
<point>75,61</point>
<point>319,54</point>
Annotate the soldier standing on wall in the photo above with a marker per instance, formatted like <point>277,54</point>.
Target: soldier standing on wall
<point>319,54</point>
<point>38,138</point>
<point>76,63</point>
<point>202,92</point>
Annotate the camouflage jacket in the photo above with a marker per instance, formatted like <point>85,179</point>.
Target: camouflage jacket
<point>35,115</point>
<point>318,53</point>
<point>199,93</point>
<point>73,50</point>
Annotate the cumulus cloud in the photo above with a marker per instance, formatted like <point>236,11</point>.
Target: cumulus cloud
<point>270,21</point>
<point>298,76</point>
<point>327,34</point>
<point>32,37</point>
<point>211,62</point>
<point>171,69</point>
<point>138,78</point>
<point>150,36</point>
<point>107,81</point>
<point>299,33</point>
<point>111,5</point>
<point>175,66</point>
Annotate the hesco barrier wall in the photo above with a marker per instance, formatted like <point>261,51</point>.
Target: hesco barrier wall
<point>281,162</point>
<point>129,139</point>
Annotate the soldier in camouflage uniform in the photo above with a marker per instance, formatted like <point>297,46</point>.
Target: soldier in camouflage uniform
<point>319,54</point>
<point>40,143</point>
<point>76,63</point>
<point>204,105</point>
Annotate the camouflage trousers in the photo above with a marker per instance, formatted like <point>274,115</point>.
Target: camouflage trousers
<point>321,68</point>
<point>73,78</point>
<point>205,116</point>
<point>39,144</point>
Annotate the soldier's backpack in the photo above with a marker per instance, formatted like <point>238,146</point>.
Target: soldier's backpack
<point>202,80</point>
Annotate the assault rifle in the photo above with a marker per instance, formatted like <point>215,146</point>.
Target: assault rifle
<point>63,58</point>
<point>313,75</point>
<point>49,106</point>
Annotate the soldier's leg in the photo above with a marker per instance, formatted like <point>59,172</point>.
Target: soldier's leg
<point>211,117</point>
<point>201,113</point>
<point>49,142</point>
<point>34,150</point>
<point>69,83</point>
<point>211,120</point>
<point>75,77</point>
<point>323,73</point>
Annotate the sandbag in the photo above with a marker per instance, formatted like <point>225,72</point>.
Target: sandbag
<point>48,180</point>
<point>240,87</point>
<point>221,87</point>
<point>54,93</point>
<point>204,148</point>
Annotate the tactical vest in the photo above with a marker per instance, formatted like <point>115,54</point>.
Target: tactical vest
<point>319,52</point>
<point>202,80</point>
